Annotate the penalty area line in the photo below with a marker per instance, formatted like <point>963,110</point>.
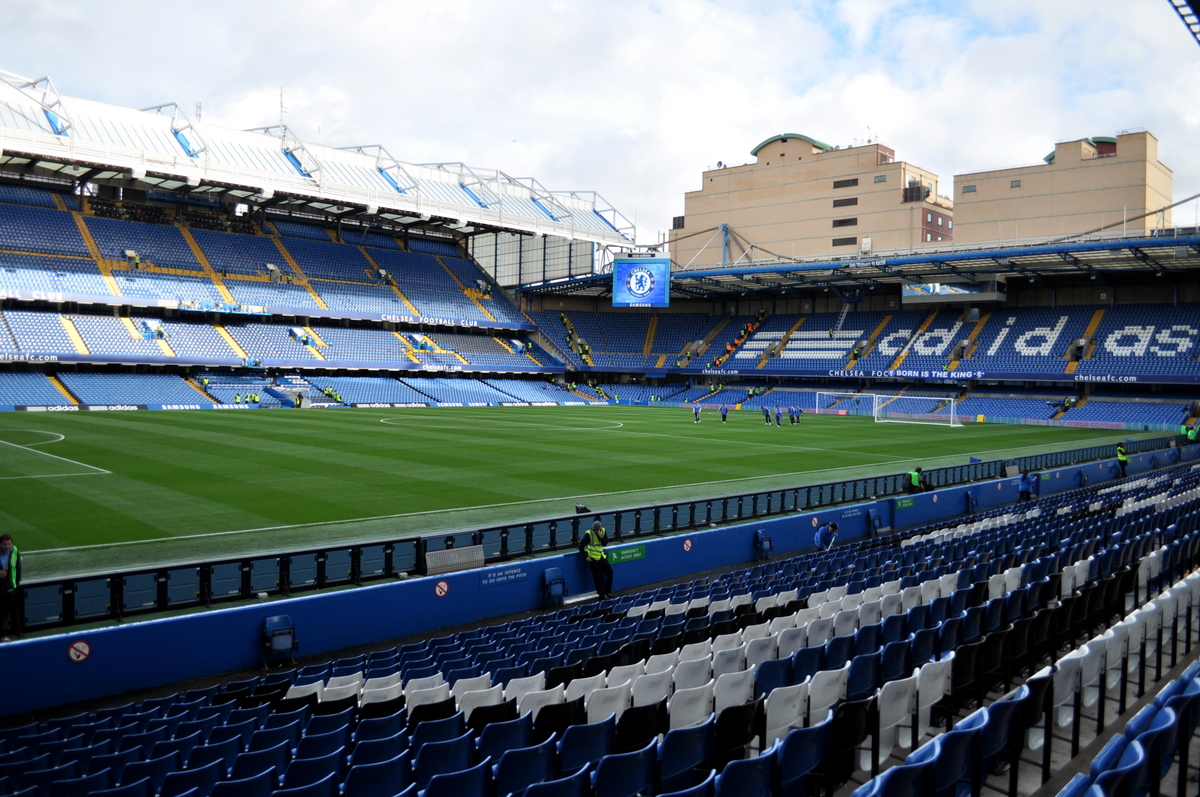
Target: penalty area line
<point>93,468</point>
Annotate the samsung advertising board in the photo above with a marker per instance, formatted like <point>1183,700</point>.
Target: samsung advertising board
<point>641,282</point>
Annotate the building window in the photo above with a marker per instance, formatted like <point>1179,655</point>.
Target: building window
<point>939,237</point>
<point>845,222</point>
<point>1015,184</point>
<point>939,221</point>
<point>845,203</point>
<point>851,241</point>
<point>677,223</point>
<point>968,189</point>
<point>928,217</point>
<point>853,181</point>
<point>928,236</point>
<point>881,178</point>
<point>950,223</point>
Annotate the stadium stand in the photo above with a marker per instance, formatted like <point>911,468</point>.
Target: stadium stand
<point>946,634</point>
<point>159,244</point>
<point>130,388</point>
<point>33,390</point>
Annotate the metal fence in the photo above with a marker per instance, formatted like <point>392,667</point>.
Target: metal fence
<point>113,596</point>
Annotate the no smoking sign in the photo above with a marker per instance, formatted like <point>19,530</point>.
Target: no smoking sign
<point>79,651</point>
<point>441,589</point>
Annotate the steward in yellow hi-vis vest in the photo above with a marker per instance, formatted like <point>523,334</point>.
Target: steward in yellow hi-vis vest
<point>594,540</point>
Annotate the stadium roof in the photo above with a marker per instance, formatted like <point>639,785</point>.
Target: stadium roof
<point>42,131</point>
<point>1189,12</point>
<point>1175,251</point>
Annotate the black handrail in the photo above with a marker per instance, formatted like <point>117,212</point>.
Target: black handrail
<point>112,596</point>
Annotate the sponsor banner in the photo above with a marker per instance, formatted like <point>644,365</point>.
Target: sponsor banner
<point>382,405</point>
<point>113,407</point>
<point>514,403</point>
<point>543,404</point>
<point>310,312</point>
<point>178,406</point>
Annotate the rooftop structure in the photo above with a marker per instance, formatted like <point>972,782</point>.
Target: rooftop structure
<point>1090,184</point>
<point>802,198</point>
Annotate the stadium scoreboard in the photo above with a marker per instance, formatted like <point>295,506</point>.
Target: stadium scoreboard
<point>641,282</point>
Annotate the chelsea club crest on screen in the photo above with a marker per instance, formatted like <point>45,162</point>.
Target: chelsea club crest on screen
<point>640,282</point>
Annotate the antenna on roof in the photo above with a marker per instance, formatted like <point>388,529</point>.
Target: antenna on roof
<point>282,109</point>
<point>199,109</point>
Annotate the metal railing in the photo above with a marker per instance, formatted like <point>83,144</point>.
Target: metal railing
<point>113,596</point>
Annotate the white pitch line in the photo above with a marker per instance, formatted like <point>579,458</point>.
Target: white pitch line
<point>448,511</point>
<point>54,456</point>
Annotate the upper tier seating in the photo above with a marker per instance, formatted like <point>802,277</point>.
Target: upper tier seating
<point>325,259</point>
<point>159,244</point>
<point>39,230</point>
<point>298,229</point>
<point>43,273</point>
<point>1029,340</point>
<point>1148,340</point>
<point>239,254</point>
<point>427,284</point>
<point>432,247</point>
<point>38,197</point>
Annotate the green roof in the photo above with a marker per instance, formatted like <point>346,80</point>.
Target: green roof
<point>785,136</point>
<point>1093,141</point>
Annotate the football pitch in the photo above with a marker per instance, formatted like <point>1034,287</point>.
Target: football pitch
<point>89,491</point>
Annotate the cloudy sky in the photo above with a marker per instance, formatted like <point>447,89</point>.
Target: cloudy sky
<point>634,99</point>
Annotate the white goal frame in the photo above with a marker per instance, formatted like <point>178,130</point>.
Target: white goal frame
<point>832,403</point>
<point>949,417</point>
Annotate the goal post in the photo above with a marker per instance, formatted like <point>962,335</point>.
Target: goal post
<point>933,410</point>
<point>846,403</point>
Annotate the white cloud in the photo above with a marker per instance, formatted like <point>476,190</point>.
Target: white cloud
<point>632,99</point>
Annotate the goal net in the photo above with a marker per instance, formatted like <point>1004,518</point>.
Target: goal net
<point>937,410</point>
<point>846,403</point>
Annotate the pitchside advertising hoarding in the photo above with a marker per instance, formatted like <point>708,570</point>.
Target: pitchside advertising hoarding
<point>641,282</point>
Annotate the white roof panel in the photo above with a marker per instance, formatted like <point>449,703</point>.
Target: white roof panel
<point>129,140</point>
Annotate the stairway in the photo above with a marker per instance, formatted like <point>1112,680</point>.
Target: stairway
<point>783,342</point>
<point>63,389</point>
<point>908,344</point>
<point>870,342</point>
<point>972,338</point>
<point>73,333</point>
<point>1092,326</point>
<point>209,271</point>
<point>463,288</point>
<point>295,267</point>
<point>651,331</point>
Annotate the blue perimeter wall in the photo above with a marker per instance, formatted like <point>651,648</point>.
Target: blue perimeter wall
<point>159,653</point>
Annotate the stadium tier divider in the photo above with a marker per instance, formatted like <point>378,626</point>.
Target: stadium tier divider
<point>1057,553</point>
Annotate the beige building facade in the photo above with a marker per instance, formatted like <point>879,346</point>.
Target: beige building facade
<point>1084,185</point>
<point>803,198</point>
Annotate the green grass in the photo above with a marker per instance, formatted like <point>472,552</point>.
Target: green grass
<point>127,489</point>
